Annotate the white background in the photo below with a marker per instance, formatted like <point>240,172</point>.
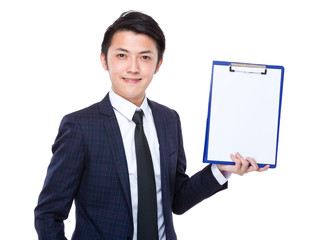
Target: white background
<point>49,66</point>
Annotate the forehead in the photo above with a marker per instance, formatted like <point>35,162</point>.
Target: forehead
<point>134,41</point>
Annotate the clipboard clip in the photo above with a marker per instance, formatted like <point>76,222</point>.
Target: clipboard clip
<point>248,68</point>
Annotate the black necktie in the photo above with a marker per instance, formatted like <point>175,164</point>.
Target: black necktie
<point>147,220</point>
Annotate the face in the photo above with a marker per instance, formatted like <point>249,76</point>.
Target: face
<point>132,60</point>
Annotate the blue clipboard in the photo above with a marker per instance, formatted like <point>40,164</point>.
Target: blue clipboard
<point>244,112</point>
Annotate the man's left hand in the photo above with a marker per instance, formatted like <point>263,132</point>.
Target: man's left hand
<point>242,165</point>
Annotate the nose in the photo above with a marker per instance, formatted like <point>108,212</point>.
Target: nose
<point>133,66</point>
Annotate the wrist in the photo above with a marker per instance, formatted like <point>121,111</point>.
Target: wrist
<point>220,167</point>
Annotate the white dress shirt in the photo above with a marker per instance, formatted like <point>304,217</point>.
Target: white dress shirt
<point>124,111</point>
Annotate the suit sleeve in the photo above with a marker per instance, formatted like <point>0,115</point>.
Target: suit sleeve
<point>61,183</point>
<point>191,191</point>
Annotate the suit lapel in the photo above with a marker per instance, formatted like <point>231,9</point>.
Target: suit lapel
<point>117,147</point>
<point>160,121</point>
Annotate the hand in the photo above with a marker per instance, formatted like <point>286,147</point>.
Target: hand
<point>242,165</point>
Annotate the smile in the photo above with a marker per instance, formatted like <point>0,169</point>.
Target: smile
<point>132,80</point>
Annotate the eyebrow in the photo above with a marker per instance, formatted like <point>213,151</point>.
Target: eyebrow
<point>142,52</point>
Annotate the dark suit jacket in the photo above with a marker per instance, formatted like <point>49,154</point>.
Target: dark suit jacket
<point>89,166</point>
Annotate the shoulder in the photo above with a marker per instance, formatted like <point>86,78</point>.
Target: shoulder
<point>85,113</point>
<point>162,109</point>
<point>165,114</point>
<point>92,112</point>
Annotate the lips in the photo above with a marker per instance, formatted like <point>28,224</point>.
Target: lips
<point>132,80</point>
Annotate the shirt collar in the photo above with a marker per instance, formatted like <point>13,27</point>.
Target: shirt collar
<point>126,108</point>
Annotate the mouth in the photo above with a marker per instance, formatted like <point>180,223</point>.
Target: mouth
<point>132,80</point>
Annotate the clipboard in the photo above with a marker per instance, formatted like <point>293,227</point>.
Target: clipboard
<point>244,112</point>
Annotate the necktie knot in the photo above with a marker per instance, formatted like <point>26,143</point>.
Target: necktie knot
<point>137,118</point>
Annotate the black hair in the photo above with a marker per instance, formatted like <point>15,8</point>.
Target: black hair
<point>139,23</point>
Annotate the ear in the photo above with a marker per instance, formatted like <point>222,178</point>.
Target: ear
<point>158,65</point>
<point>103,61</point>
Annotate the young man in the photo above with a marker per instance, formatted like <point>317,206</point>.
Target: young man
<point>122,159</point>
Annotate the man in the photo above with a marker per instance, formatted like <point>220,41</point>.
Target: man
<point>122,159</point>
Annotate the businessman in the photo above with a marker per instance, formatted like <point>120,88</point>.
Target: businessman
<point>122,160</point>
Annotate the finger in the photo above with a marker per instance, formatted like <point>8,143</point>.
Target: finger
<point>238,156</point>
<point>242,160</point>
<point>235,159</point>
<point>254,166</point>
<point>263,168</point>
<point>238,164</point>
<point>245,164</point>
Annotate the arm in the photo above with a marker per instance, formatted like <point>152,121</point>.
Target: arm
<point>61,183</point>
<point>190,191</point>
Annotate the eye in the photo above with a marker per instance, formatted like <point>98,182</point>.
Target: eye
<point>121,55</point>
<point>145,57</point>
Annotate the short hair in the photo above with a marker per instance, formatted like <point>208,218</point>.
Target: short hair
<point>139,23</point>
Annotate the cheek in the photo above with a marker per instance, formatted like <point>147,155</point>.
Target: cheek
<point>149,71</point>
<point>114,72</point>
